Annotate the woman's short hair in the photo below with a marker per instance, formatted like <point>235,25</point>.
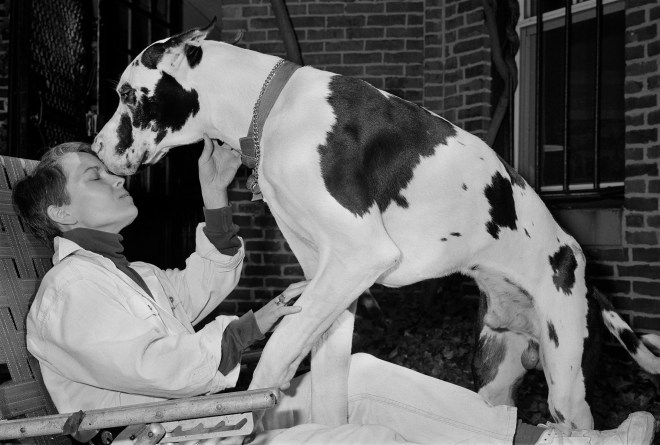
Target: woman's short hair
<point>43,187</point>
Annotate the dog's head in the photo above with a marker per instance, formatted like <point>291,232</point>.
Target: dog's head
<point>158,107</point>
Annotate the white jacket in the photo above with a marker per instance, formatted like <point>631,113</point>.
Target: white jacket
<point>101,341</point>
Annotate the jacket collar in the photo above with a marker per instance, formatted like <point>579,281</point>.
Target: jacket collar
<point>64,247</point>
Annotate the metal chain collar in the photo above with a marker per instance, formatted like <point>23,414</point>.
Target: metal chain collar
<point>255,125</point>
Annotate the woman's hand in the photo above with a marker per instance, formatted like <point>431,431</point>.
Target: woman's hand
<point>268,316</point>
<point>217,167</point>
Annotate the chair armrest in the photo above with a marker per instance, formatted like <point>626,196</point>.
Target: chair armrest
<point>169,410</point>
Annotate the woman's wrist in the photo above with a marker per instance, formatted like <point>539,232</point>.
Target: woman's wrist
<point>215,199</point>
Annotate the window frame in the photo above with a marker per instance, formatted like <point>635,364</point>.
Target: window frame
<point>524,139</point>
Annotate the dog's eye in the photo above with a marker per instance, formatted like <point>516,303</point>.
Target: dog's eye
<point>127,95</point>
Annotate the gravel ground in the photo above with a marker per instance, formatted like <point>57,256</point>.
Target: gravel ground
<point>436,339</point>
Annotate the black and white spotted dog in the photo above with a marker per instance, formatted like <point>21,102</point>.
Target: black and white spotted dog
<point>367,187</point>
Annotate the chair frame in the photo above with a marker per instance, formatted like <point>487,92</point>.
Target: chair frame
<point>26,409</point>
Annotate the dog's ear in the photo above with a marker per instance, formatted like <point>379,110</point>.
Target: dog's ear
<point>194,36</point>
<point>174,50</point>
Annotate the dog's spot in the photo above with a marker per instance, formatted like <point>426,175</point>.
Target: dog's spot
<point>491,352</point>
<point>443,239</point>
<point>474,267</point>
<point>375,144</point>
<point>464,187</point>
<point>630,340</point>
<point>552,334</point>
<point>502,205</point>
<point>456,234</point>
<point>527,233</point>
<point>124,134</point>
<point>193,54</point>
<point>145,90</point>
<point>563,265</point>
<point>559,417</point>
<point>168,108</point>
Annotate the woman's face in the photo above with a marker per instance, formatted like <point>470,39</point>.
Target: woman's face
<point>98,198</point>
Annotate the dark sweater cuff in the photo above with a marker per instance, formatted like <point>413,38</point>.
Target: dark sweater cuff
<point>238,335</point>
<point>221,231</point>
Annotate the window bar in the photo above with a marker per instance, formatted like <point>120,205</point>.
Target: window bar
<point>538,96</point>
<point>599,35</point>
<point>567,68</point>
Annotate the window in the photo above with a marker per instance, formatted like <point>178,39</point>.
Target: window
<point>570,119</point>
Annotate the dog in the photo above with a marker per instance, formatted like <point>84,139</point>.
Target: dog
<point>369,188</point>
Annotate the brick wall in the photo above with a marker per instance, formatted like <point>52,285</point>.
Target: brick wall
<point>637,265</point>
<point>425,51</point>
<point>4,73</point>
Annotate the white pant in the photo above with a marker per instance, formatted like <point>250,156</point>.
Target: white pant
<point>391,404</point>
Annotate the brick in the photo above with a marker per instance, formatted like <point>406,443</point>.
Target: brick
<point>653,49</point>
<point>404,32</point>
<point>604,254</point>
<point>279,258</point>
<point>327,34</point>
<point>635,220</point>
<point>642,271</point>
<point>347,21</point>
<point>635,185</point>
<point>386,19</point>
<point>649,255</point>
<point>653,221</point>
<point>599,270</point>
<point>384,70</point>
<point>261,245</point>
<point>415,20</point>
<point>653,152</point>
<point>467,6</point>
<point>403,57</point>
<point>361,58</point>
<point>307,22</point>
<point>653,82</point>
<point>344,45</point>
<point>322,59</point>
<point>366,8</point>
<point>293,271</point>
<point>634,103</point>
<point>405,6</point>
<point>454,23</point>
<point>642,34</point>
<point>468,45</point>
<point>639,169</point>
<point>649,323</point>
<point>633,86</point>
<point>634,153</point>
<point>642,136</point>
<point>642,237</point>
<point>609,286</point>
<point>635,18</point>
<point>654,186</point>
<point>655,13</point>
<point>325,8</point>
<point>651,288</point>
<point>385,45</point>
<point>649,306</point>
<point>634,52</point>
<point>641,68</point>
<point>365,33</point>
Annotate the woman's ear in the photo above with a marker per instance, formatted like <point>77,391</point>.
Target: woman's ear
<point>61,215</point>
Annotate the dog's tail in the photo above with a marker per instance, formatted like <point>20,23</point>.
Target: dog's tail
<point>645,351</point>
